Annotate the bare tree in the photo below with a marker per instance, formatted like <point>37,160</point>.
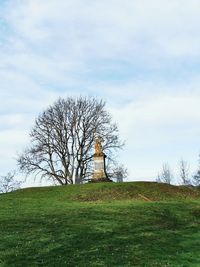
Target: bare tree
<point>8,183</point>
<point>184,172</point>
<point>63,137</point>
<point>165,176</point>
<point>196,177</point>
<point>117,172</point>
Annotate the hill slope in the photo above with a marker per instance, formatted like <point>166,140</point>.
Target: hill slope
<point>107,224</point>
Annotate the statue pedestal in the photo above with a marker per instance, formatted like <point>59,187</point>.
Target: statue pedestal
<point>100,174</point>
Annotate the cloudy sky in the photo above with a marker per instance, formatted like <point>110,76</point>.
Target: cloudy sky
<point>141,56</point>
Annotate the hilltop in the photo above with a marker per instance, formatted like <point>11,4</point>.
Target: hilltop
<point>105,224</point>
<point>146,191</point>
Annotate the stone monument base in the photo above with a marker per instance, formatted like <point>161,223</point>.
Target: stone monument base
<point>100,180</point>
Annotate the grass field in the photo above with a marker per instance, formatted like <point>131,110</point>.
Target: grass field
<point>107,224</point>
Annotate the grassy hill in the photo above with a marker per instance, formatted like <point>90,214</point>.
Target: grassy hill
<point>106,224</point>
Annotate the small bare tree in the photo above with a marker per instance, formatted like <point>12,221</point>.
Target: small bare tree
<point>8,183</point>
<point>184,172</point>
<point>165,176</point>
<point>62,140</point>
<point>196,177</point>
<point>117,172</point>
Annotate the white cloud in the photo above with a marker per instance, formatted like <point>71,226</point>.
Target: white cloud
<point>107,29</point>
<point>167,114</point>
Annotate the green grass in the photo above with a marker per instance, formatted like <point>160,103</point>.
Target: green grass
<point>107,224</point>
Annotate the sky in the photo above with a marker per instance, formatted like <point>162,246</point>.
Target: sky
<point>141,56</point>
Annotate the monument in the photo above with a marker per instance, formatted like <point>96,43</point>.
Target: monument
<point>100,174</point>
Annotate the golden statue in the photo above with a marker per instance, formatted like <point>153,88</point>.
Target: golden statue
<point>98,147</point>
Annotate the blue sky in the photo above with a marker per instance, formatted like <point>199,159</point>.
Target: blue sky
<point>141,56</point>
